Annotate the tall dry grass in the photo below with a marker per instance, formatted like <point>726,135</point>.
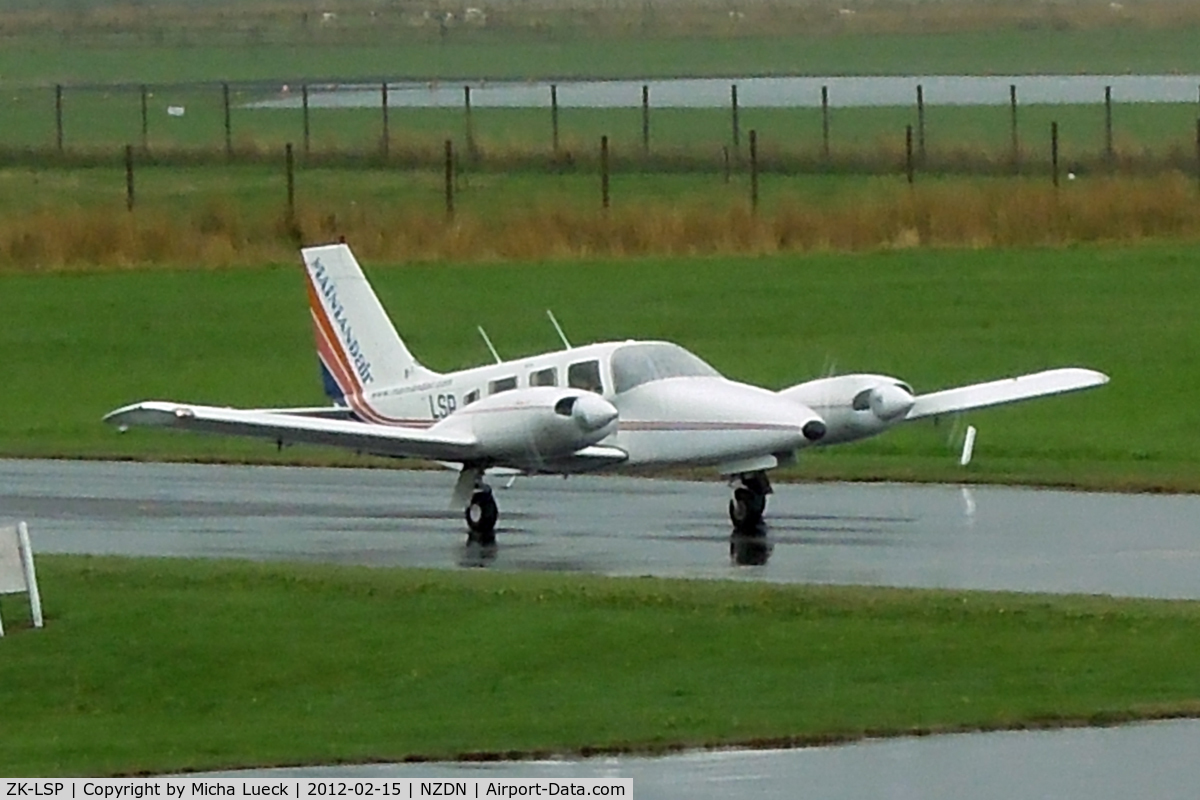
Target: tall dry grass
<point>980,213</point>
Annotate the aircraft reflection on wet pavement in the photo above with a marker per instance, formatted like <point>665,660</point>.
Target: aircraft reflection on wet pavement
<point>745,550</point>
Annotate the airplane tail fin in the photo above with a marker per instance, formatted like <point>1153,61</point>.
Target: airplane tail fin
<point>358,347</point>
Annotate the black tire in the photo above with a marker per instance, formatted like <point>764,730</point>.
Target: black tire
<point>481,516</point>
<point>746,509</point>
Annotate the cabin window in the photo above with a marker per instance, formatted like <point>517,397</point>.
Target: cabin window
<point>544,377</point>
<point>470,397</point>
<point>502,385</point>
<point>585,375</point>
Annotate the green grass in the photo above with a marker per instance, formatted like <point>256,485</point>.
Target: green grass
<point>82,344</point>
<point>244,664</point>
<point>1117,50</point>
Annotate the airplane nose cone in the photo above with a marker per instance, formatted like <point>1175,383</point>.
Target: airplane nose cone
<point>813,430</point>
<point>889,401</point>
<point>592,412</point>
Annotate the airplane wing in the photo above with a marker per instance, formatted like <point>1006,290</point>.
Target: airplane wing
<point>289,426</point>
<point>1007,390</point>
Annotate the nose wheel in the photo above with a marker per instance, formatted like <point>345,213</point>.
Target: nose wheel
<point>481,515</point>
<point>749,502</point>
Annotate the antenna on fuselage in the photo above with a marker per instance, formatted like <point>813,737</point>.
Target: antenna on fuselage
<point>488,342</point>
<point>558,328</point>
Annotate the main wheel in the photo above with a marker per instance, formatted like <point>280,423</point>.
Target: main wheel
<point>746,509</point>
<point>481,516</point>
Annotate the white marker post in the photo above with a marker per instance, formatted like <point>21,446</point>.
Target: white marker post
<point>16,569</point>
<point>968,446</point>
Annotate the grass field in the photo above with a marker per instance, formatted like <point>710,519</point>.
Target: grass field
<point>605,40</point>
<point>245,664</point>
<point>82,344</point>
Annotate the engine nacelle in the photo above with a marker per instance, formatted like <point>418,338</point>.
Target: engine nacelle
<point>528,428</point>
<point>854,406</point>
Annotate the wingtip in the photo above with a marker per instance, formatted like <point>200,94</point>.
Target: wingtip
<point>138,413</point>
<point>1080,377</point>
<point>113,417</point>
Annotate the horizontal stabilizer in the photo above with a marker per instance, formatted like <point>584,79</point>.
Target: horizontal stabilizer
<point>384,440</point>
<point>1007,390</point>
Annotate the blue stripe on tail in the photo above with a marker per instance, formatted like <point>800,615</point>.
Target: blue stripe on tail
<point>332,390</point>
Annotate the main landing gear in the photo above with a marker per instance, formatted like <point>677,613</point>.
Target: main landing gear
<point>749,502</point>
<point>481,515</point>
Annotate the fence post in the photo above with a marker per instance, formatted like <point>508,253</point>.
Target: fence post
<point>58,115</point>
<point>554,116</point>
<point>1054,152</point>
<point>725,159</point>
<point>825,122</point>
<point>908,153</point>
<point>449,179</point>
<point>733,101</point>
<point>754,170</point>
<point>470,128</point>
<point>145,122</point>
<point>129,177</point>
<point>304,102</point>
<point>921,123</point>
<point>1108,126</point>
<point>290,162</point>
<point>645,120</point>
<point>604,172</point>
<point>1016,142</point>
<point>228,121</point>
<point>385,141</point>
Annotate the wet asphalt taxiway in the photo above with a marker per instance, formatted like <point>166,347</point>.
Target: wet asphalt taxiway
<point>897,535</point>
<point>879,534</point>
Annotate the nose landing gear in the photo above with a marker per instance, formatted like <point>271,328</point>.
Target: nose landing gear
<point>749,502</point>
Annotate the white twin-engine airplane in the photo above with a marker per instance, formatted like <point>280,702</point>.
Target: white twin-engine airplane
<point>602,406</point>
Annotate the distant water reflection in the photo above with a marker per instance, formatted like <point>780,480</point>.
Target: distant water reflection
<point>784,92</point>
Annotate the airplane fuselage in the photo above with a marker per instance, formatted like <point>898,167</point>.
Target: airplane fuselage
<point>673,408</point>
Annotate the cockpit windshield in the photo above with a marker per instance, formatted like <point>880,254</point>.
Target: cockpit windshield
<point>635,364</point>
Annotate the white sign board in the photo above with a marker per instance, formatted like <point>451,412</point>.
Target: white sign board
<point>12,569</point>
<point>16,568</point>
